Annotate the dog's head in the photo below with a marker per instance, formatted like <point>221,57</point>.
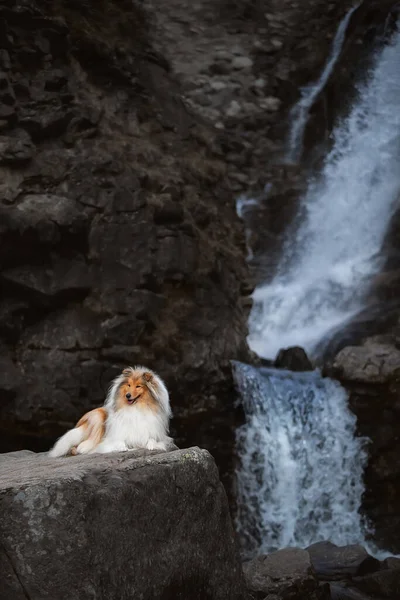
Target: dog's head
<point>138,387</point>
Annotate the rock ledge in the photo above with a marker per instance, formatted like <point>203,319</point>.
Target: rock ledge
<point>121,526</point>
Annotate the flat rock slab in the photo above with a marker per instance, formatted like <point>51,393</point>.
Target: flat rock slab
<point>116,527</point>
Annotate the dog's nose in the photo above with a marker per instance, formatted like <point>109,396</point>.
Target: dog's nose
<point>128,395</point>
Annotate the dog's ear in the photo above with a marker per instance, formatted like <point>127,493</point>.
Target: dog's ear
<point>127,372</point>
<point>147,376</point>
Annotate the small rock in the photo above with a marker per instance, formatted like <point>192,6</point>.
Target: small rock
<point>202,99</point>
<point>5,59</point>
<point>219,68</point>
<point>233,109</point>
<point>217,86</point>
<point>17,149</point>
<point>271,103</point>
<point>294,359</point>
<point>242,62</point>
<point>241,177</point>
<point>223,55</point>
<point>276,43</point>
<point>237,50</point>
<point>260,83</point>
<point>55,80</point>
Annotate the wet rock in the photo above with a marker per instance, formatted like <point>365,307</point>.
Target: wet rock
<point>294,359</point>
<point>333,562</point>
<point>61,520</point>
<point>370,373</point>
<point>287,573</point>
<point>371,363</point>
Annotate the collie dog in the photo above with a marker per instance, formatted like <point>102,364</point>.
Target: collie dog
<point>135,414</point>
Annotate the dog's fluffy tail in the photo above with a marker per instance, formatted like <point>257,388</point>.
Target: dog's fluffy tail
<point>70,439</point>
<point>84,438</point>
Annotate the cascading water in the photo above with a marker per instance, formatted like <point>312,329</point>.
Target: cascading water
<point>326,267</point>
<point>301,471</point>
<point>300,478</point>
<point>300,112</point>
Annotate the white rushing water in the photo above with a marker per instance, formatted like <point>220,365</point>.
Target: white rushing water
<point>309,93</point>
<point>326,266</point>
<point>300,478</point>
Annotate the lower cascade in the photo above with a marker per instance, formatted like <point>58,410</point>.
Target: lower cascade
<point>300,478</point>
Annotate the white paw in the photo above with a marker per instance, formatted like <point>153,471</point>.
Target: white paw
<point>85,447</point>
<point>111,447</point>
<point>153,445</point>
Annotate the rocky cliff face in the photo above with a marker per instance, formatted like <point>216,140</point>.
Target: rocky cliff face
<point>119,240</point>
<point>371,373</point>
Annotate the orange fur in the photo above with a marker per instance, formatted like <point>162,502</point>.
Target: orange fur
<point>137,387</point>
<point>94,425</point>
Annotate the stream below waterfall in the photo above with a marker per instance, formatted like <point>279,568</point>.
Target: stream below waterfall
<point>301,464</point>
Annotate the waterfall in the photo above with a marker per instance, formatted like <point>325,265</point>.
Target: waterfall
<point>300,473</point>
<point>326,266</point>
<point>309,93</point>
<point>301,466</point>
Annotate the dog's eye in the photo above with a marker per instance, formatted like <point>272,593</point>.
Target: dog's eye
<point>138,387</point>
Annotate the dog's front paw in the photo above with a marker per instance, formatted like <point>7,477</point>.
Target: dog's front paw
<point>153,445</point>
<point>106,447</point>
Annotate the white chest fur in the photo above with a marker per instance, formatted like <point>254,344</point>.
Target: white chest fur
<point>134,426</point>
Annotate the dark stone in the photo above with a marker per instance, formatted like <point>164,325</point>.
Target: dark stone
<point>8,374</point>
<point>294,359</point>
<point>333,562</point>
<point>391,563</point>
<point>287,573</point>
<point>55,80</point>
<point>384,584</point>
<point>370,372</point>
<point>136,524</point>
<point>17,149</point>
<point>341,592</point>
<point>168,211</point>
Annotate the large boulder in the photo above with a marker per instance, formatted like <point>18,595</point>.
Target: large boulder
<point>372,362</point>
<point>122,526</point>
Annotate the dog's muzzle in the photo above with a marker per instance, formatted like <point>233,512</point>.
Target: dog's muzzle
<point>132,400</point>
